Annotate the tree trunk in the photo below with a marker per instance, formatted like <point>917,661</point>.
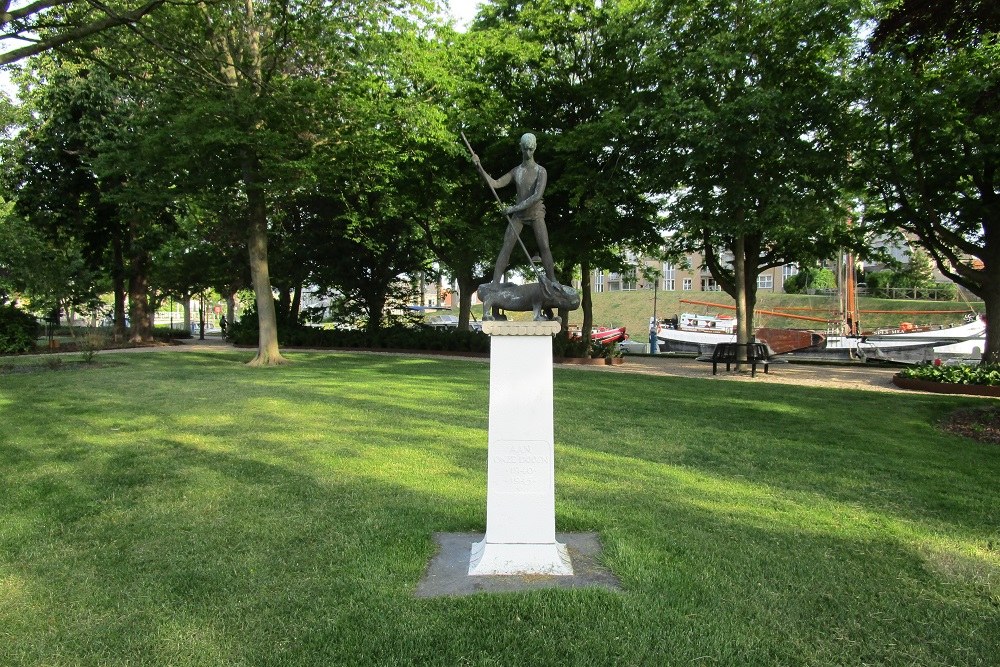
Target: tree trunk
<point>990,294</point>
<point>376,309</point>
<point>141,330</point>
<point>118,286</point>
<point>187,312</point>
<point>267,331</point>
<point>565,276</point>
<point>284,306</point>
<point>231,307</point>
<point>466,287</point>
<point>295,306</point>
<point>201,316</point>
<point>743,323</point>
<point>586,302</point>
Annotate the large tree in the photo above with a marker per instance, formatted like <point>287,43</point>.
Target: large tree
<point>77,116</point>
<point>34,27</point>
<point>932,108</point>
<point>252,104</point>
<point>747,112</point>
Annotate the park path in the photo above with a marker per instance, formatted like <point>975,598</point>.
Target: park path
<point>866,378</point>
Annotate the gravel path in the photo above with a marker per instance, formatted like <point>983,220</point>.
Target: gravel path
<point>867,378</point>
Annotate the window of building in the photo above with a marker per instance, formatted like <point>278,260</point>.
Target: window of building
<point>687,284</point>
<point>709,285</point>
<point>669,277</point>
<point>628,281</point>
<point>789,270</point>
<point>765,281</point>
<point>598,281</point>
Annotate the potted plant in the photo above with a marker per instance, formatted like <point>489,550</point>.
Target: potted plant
<point>611,353</point>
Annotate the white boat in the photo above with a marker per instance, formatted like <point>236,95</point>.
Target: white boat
<point>699,334</point>
<point>451,322</point>
<point>909,344</point>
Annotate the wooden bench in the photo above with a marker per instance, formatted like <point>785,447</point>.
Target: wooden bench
<point>729,354</point>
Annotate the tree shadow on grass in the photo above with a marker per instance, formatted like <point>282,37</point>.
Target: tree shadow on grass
<point>192,555</point>
<point>881,452</point>
<point>261,538</point>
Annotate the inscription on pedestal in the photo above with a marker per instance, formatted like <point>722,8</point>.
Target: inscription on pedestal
<point>521,466</point>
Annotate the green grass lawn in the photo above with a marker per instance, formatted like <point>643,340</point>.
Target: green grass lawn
<point>183,509</point>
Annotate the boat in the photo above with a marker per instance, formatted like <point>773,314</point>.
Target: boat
<point>603,335</point>
<point>451,322</point>
<point>699,334</point>
<point>907,343</point>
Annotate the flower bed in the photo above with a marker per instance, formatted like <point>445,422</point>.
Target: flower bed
<point>944,387</point>
<point>963,379</point>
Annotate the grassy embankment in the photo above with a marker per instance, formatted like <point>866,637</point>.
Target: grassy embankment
<point>180,508</point>
<point>633,309</point>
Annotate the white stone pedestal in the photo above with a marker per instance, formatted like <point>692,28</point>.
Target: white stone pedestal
<point>520,495</point>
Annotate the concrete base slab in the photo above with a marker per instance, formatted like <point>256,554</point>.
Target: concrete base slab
<point>448,572</point>
<point>508,559</point>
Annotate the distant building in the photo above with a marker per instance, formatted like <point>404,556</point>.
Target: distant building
<point>686,277</point>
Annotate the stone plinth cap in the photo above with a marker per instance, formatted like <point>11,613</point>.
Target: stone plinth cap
<point>502,328</point>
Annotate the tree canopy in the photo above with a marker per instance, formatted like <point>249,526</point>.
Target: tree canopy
<point>321,141</point>
<point>34,27</point>
<point>930,155</point>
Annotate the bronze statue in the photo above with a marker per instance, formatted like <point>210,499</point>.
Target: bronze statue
<point>530,178</point>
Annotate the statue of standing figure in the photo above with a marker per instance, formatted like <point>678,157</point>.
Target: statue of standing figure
<point>530,178</point>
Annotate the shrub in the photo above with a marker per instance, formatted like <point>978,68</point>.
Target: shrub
<point>810,278</point>
<point>166,333</point>
<point>91,344</point>
<point>986,375</point>
<point>397,337</point>
<point>18,330</point>
<point>879,282</point>
<point>564,346</point>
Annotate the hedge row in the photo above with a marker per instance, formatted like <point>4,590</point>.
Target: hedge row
<point>397,338</point>
<point>405,338</point>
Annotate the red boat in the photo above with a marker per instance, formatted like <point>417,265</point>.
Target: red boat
<point>604,336</point>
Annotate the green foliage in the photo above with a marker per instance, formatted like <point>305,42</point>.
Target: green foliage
<point>18,330</point>
<point>918,271</point>
<point>91,344</point>
<point>600,350</point>
<point>564,345</point>
<point>986,374</point>
<point>810,278</point>
<point>396,337</point>
<point>751,113</point>
<point>917,284</point>
<point>928,157</point>
<point>167,334</point>
<point>877,282</point>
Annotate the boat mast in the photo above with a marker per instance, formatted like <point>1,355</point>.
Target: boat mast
<point>851,294</point>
